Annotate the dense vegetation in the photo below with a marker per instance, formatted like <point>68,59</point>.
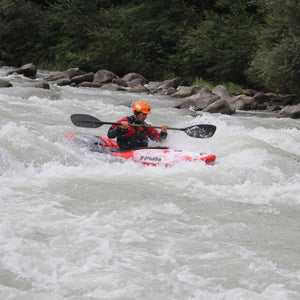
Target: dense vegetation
<point>254,43</point>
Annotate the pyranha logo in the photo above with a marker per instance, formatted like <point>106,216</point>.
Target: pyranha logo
<point>150,158</point>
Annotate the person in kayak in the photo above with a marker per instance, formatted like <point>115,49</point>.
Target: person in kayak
<point>129,137</point>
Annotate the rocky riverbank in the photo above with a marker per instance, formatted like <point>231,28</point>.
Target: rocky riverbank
<point>218,100</point>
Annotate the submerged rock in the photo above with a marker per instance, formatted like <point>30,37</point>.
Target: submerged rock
<point>5,83</point>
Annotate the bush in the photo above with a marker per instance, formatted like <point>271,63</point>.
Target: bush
<point>276,63</point>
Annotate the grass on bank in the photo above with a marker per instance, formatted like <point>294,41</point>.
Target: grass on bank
<point>231,87</point>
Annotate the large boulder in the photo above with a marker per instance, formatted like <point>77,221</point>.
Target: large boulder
<point>135,82</point>
<point>165,85</point>
<point>222,92</point>
<point>119,81</point>
<point>291,111</point>
<point>72,72</point>
<point>89,77</point>
<point>104,76</point>
<point>28,70</point>
<point>198,101</point>
<point>186,91</point>
<point>62,81</point>
<point>219,106</point>
<point>137,86</point>
<point>138,89</point>
<point>67,74</point>
<point>132,76</point>
<point>242,102</point>
<point>112,87</point>
<point>89,84</point>
<point>261,98</point>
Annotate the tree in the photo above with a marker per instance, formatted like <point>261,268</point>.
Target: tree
<point>141,36</point>
<point>19,30</point>
<point>276,63</point>
<point>220,47</point>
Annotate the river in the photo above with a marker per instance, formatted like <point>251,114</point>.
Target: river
<point>80,225</point>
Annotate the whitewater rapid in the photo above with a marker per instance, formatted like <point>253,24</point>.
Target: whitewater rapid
<point>76,224</point>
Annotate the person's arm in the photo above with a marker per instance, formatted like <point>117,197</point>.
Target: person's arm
<point>163,133</point>
<point>114,132</point>
<point>155,135</point>
<point>117,130</point>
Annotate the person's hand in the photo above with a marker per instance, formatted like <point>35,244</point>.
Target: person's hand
<point>164,128</point>
<point>124,125</point>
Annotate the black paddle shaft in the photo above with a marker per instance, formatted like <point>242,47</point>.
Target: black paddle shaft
<point>196,131</point>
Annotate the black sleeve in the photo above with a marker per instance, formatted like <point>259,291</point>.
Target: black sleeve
<point>163,135</point>
<point>114,132</point>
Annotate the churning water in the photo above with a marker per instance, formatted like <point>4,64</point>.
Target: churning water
<point>76,224</point>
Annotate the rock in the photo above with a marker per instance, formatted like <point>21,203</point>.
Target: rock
<point>199,101</point>
<point>291,111</point>
<point>274,97</point>
<point>250,92</point>
<point>291,99</point>
<point>186,91</point>
<point>131,76</point>
<point>120,82</point>
<point>43,85</point>
<point>28,70</point>
<point>62,82</point>
<point>56,76</point>
<point>89,84</point>
<point>81,78</point>
<point>69,74</point>
<point>135,82</point>
<point>278,99</point>
<point>112,87</point>
<point>165,85</point>
<point>242,102</point>
<point>138,89</point>
<point>219,106</point>
<point>272,108</point>
<point>262,106</point>
<point>104,76</point>
<point>170,91</point>
<point>4,83</point>
<point>261,98</point>
<point>222,92</point>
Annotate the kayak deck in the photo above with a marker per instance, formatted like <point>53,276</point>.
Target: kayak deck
<point>147,156</point>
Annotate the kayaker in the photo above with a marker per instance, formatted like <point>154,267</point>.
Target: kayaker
<point>129,137</point>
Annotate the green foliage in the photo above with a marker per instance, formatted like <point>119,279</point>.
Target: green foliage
<point>222,44</point>
<point>66,32</point>
<point>233,87</point>
<point>276,64</point>
<point>140,37</point>
<point>203,83</point>
<point>19,30</point>
<point>242,41</point>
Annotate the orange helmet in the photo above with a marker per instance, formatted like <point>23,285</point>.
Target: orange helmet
<point>141,106</point>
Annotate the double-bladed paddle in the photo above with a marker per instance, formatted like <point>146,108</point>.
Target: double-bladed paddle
<point>201,131</point>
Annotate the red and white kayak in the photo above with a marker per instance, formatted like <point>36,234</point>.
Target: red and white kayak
<point>147,156</point>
